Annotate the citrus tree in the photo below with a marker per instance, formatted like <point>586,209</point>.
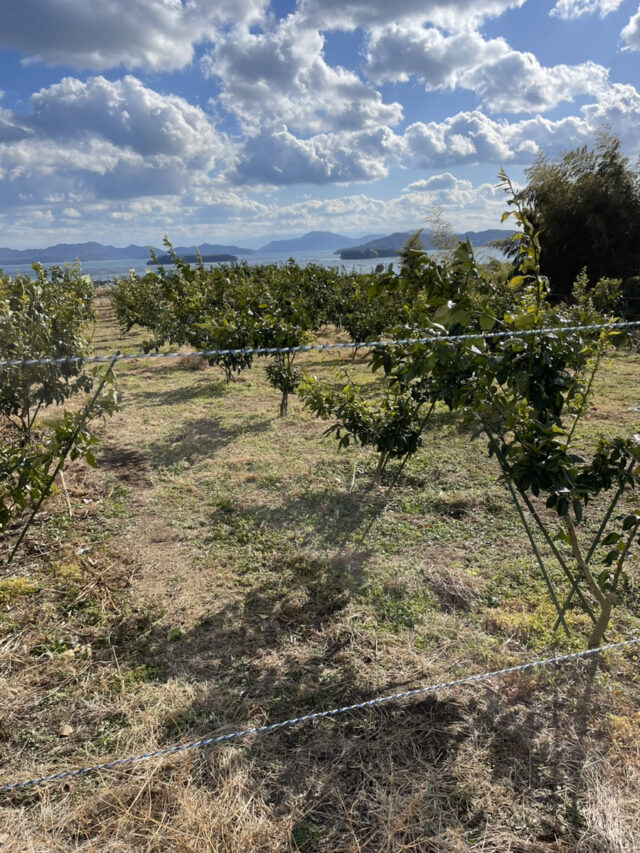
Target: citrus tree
<point>423,298</point>
<point>526,394</point>
<point>45,317</point>
<point>48,317</point>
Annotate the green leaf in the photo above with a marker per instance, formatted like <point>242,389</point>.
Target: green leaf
<point>577,509</point>
<point>487,322</point>
<point>630,521</point>
<point>611,539</point>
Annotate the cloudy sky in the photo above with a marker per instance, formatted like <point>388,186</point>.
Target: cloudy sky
<point>122,120</point>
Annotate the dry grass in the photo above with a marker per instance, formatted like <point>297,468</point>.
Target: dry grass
<point>224,568</point>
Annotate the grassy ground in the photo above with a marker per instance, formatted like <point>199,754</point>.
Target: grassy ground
<point>224,568</point>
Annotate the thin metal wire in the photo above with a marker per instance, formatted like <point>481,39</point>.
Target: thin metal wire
<point>318,715</point>
<point>96,359</point>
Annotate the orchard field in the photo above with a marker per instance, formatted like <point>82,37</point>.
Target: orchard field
<point>224,567</point>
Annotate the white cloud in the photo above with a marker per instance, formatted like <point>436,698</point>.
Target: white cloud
<point>468,137</point>
<point>101,34</point>
<point>106,140</point>
<point>127,114</point>
<point>450,14</point>
<point>619,110</point>
<point>226,217</point>
<point>280,76</point>
<point>279,158</point>
<point>473,138</point>
<point>630,34</point>
<point>505,79</point>
<point>569,10</point>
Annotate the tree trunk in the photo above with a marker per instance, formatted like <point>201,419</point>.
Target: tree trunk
<point>378,475</point>
<point>604,600</point>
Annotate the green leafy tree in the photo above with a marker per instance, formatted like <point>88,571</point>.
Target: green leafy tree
<point>586,207</point>
<point>391,426</point>
<point>425,297</point>
<point>527,395</point>
<point>44,317</point>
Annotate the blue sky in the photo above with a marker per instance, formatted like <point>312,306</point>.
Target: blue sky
<point>238,122</point>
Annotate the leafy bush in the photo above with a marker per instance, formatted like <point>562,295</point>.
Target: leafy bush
<point>526,395</point>
<point>44,317</point>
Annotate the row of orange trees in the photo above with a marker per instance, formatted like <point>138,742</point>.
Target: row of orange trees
<point>524,394</point>
<point>238,307</point>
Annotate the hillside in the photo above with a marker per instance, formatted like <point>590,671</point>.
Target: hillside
<point>389,245</point>
<point>314,241</point>
<point>92,251</point>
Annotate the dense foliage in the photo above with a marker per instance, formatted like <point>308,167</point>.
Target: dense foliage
<point>586,207</point>
<point>526,395</point>
<point>44,317</point>
<point>237,306</point>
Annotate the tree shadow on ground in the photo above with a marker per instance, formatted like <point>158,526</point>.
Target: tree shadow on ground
<point>199,438</point>
<point>323,517</point>
<point>203,388</point>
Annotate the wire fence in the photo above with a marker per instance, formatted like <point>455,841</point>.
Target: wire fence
<point>370,703</point>
<point>317,715</point>
<point>218,353</point>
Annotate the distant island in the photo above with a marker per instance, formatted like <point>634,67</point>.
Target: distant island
<point>348,248</point>
<point>389,246</point>
<point>63,252</point>
<point>193,258</point>
<point>363,253</point>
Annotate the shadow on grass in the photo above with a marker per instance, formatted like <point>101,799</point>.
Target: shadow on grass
<point>199,438</point>
<point>205,389</point>
<point>320,518</point>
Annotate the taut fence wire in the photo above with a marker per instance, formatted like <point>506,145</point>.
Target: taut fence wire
<point>317,715</point>
<point>214,353</point>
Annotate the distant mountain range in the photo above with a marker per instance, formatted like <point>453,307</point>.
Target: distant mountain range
<point>97,252</point>
<point>388,247</point>
<point>371,245</point>
<point>315,241</point>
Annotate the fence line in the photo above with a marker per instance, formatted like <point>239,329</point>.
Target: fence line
<point>334,712</point>
<point>430,339</point>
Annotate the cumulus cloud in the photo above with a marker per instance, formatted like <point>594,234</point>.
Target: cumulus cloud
<point>569,10</point>
<point>630,34</point>
<point>94,139</point>
<point>280,76</point>
<point>505,79</point>
<point>450,14</point>
<point>619,110</point>
<point>279,158</point>
<point>466,138</point>
<point>127,114</point>
<point>224,216</point>
<point>470,138</point>
<point>96,35</point>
